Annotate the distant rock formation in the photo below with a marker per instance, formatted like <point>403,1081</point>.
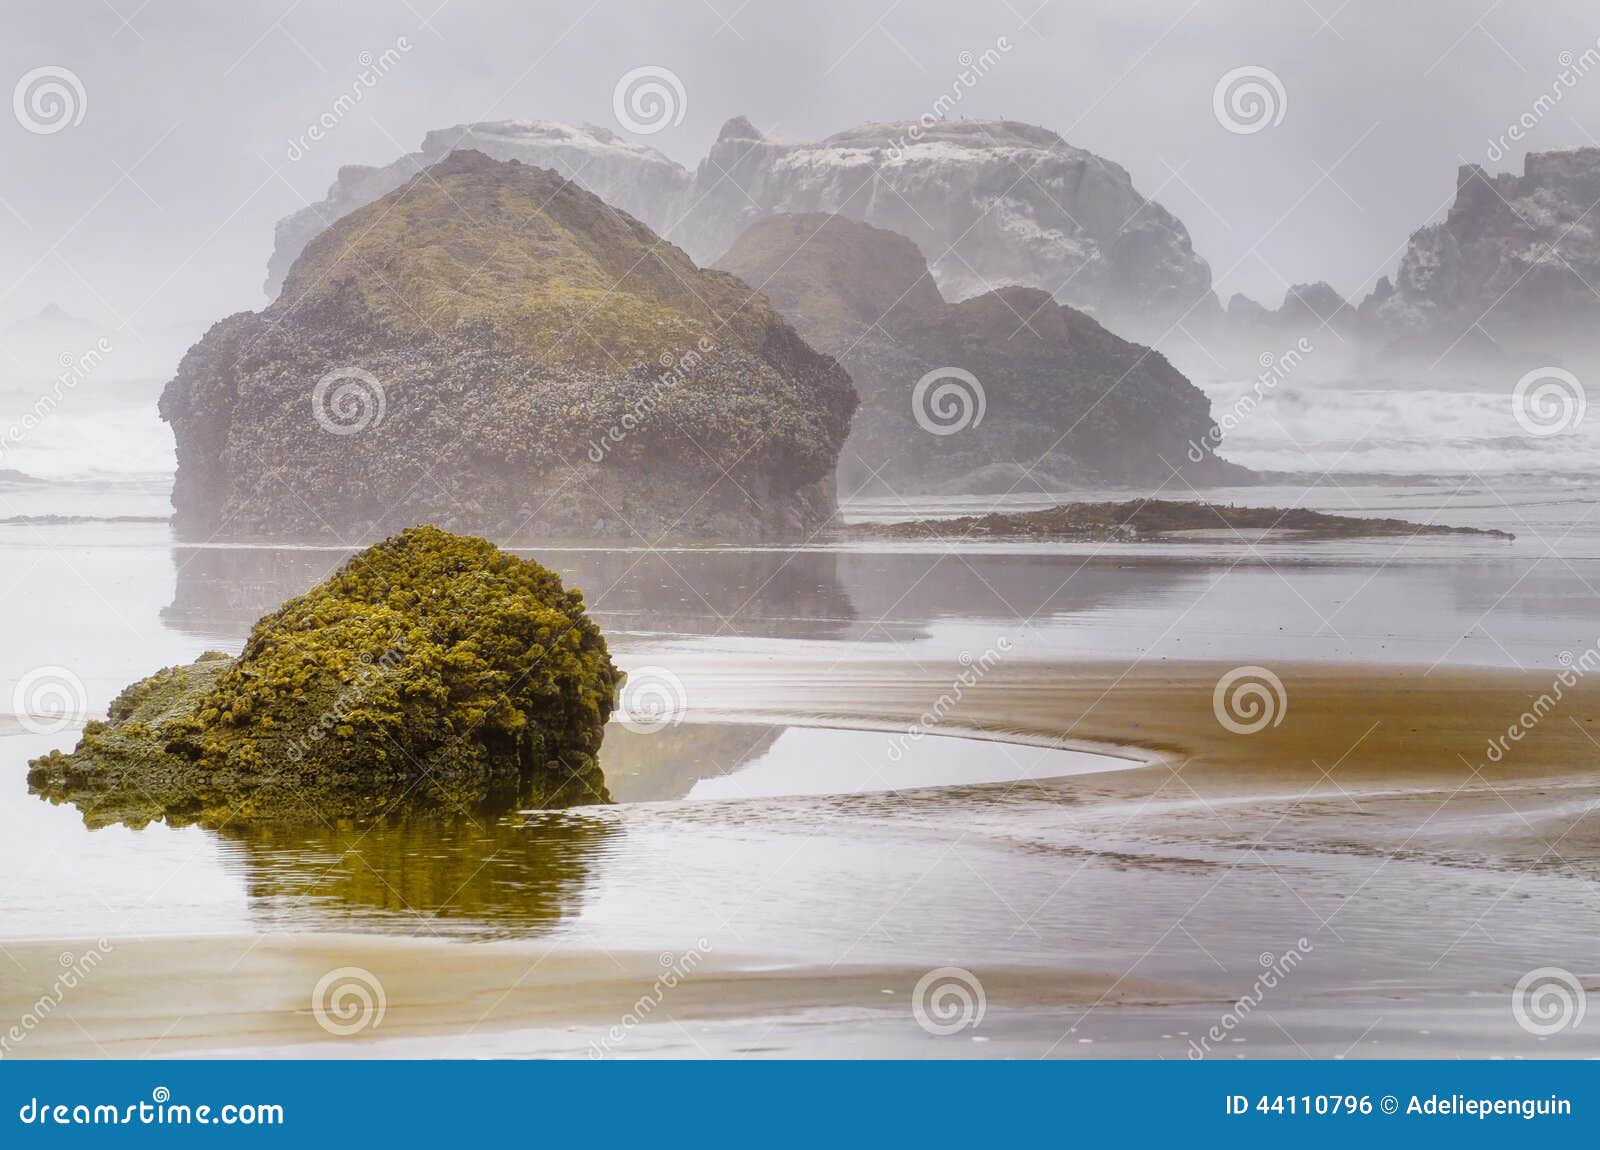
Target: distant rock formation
<point>988,202</point>
<point>1506,280</point>
<point>1515,257</point>
<point>1005,391</point>
<point>492,349</point>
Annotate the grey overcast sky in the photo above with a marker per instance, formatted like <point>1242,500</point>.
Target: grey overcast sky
<point>157,208</point>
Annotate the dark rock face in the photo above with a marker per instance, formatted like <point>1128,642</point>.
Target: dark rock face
<point>986,202</point>
<point>1058,400</point>
<point>1515,255</point>
<point>432,672</point>
<point>494,350</point>
<point>1501,284</point>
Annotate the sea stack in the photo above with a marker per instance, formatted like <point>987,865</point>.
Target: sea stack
<point>492,349</point>
<point>1006,391</point>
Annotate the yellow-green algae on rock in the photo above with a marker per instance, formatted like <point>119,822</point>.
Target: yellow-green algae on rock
<point>431,671</point>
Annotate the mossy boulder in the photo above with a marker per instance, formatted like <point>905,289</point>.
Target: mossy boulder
<point>494,350</point>
<point>432,671</point>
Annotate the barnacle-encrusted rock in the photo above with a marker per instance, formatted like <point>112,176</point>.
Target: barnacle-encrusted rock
<point>432,671</point>
<point>495,350</point>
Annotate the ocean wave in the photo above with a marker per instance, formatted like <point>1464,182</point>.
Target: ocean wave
<point>1309,427</point>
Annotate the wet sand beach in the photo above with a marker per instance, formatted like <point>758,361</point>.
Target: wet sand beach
<point>1366,828</point>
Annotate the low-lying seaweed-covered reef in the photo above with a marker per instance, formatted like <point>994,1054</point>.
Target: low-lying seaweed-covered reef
<point>1160,520</point>
<point>431,672</point>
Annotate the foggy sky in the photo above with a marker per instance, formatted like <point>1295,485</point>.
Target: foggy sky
<point>156,211</point>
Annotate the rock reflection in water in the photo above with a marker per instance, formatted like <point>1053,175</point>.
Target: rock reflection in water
<point>842,595</point>
<point>666,764</point>
<point>221,591</point>
<point>513,875</point>
<point>517,874</point>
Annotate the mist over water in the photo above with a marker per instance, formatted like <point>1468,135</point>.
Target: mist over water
<point>110,431</point>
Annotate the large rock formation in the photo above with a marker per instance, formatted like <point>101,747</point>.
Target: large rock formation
<point>492,349</point>
<point>1515,257</point>
<point>431,672</point>
<point>1504,283</point>
<point>1053,401</point>
<point>988,202</point>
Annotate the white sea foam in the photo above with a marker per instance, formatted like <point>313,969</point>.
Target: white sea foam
<point>1309,426</point>
<point>97,431</point>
